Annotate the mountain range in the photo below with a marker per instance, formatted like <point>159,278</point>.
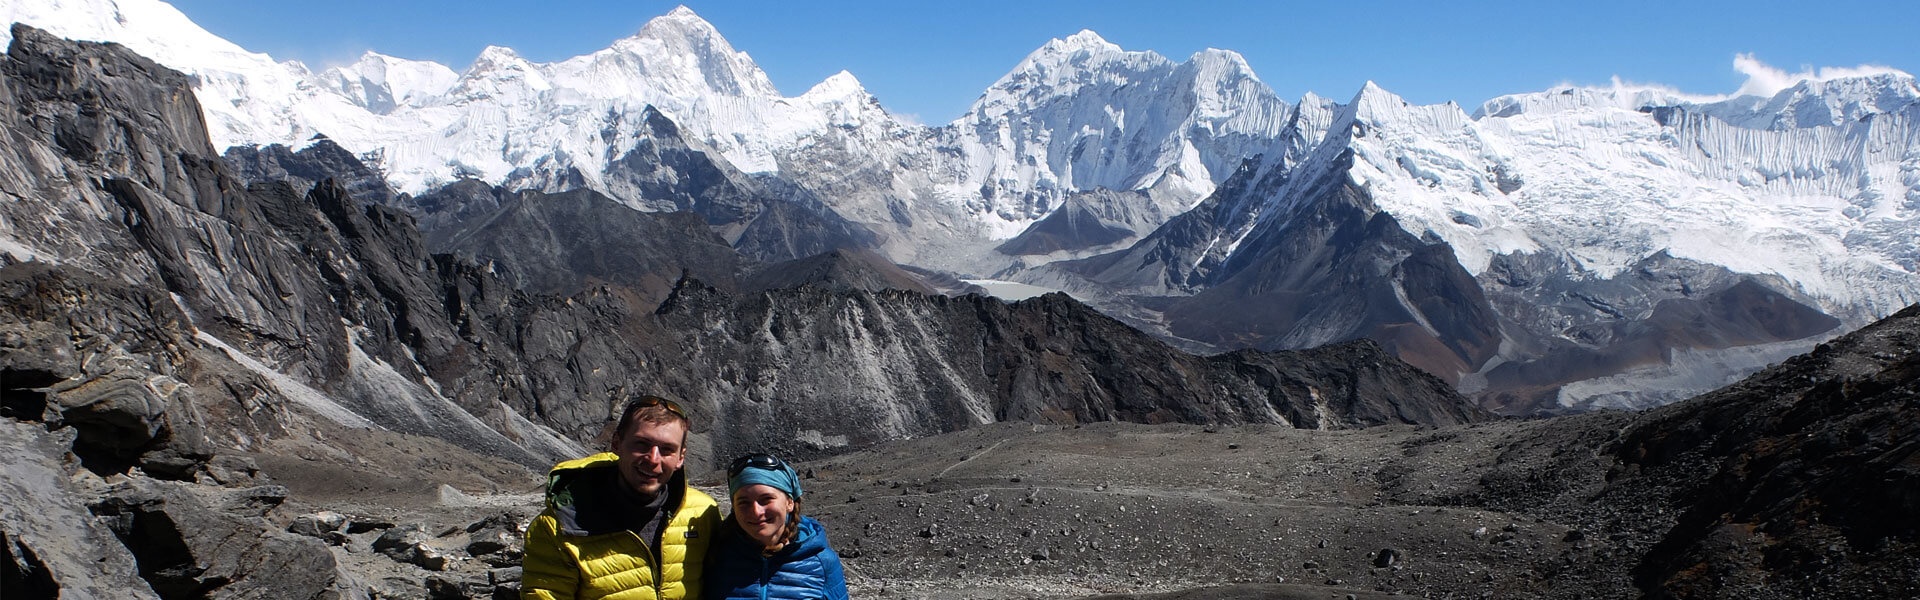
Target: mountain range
<point>195,344</point>
<point>1561,250</point>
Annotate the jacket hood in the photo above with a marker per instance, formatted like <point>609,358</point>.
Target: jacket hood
<point>576,491</point>
<point>811,540</point>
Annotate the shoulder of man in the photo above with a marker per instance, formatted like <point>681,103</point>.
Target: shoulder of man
<point>700,512</point>
<point>696,499</point>
<point>562,477</point>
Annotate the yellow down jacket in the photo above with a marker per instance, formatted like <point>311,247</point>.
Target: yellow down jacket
<point>578,547</point>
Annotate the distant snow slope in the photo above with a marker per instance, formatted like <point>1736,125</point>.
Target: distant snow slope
<point>1817,184</point>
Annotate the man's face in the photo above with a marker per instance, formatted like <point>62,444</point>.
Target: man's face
<point>650,454</point>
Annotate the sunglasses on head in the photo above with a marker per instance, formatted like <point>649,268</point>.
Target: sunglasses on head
<point>756,460</point>
<point>651,401</point>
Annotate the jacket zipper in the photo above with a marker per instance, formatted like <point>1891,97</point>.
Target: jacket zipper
<point>658,561</point>
<point>653,566</point>
<point>766,579</point>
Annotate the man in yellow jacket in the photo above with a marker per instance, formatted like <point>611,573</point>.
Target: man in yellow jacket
<point>623,525</point>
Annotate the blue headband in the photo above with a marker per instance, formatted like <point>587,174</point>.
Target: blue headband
<point>782,478</point>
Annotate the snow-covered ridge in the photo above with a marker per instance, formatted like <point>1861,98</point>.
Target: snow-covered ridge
<point>381,83</point>
<point>1081,113</point>
<point>1812,176</point>
<point>1811,184</point>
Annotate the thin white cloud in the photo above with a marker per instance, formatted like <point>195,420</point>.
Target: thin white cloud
<point>1625,88</point>
<point>1766,80</point>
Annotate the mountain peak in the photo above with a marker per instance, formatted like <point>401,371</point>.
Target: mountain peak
<point>681,20</point>
<point>1216,56</point>
<point>381,83</point>
<point>1084,41</point>
<point>839,85</point>
<point>498,55</point>
<point>1372,98</point>
<point>681,53</point>
<point>1824,100</point>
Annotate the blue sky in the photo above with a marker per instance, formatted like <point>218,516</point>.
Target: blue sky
<point>931,59</point>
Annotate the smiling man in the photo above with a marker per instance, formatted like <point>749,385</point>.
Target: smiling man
<point>623,524</point>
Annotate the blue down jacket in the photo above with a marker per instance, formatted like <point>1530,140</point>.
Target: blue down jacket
<point>806,569</point>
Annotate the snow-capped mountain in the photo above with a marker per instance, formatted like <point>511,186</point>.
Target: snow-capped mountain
<point>382,84</point>
<point>1082,114</point>
<point>1586,214</point>
<point>1572,206</point>
<point>1078,114</point>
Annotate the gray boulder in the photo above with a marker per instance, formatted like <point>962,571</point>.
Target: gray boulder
<point>188,547</point>
<point>49,541</point>
<point>408,544</point>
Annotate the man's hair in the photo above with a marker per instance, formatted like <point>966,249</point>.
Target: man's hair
<point>652,410</point>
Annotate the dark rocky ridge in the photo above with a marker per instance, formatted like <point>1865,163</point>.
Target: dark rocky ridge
<point>839,269</point>
<point>1640,318</point>
<point>1337,268</point>
<point>319,161</point>
<point>1815,474</point>
<point>1087,220</point>
<point>872,366</point>
<point>571,242</point>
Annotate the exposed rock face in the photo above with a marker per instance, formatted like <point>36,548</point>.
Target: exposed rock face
<point>839,269</point>
<point>566,243</point>
<point>190,549</point>
<point>1814,475</point>
<point>767,219</point>
<point>319,161</point>
<point>53,547</point>
<point>1570,330</point>
<point>340,298</point>
<point>810,370</point>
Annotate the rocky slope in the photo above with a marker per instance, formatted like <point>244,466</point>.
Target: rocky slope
<point>1795,483</point>
<point>811,370</point>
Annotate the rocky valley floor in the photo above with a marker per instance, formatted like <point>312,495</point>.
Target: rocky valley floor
<point>1023,511</point>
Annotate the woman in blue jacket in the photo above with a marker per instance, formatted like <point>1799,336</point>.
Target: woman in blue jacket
<point>766,550</point>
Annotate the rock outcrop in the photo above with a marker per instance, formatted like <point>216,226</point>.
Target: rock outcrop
<point>810,370</point>
<point>1812,475</point>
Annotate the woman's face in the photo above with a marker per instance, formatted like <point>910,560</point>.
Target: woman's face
<point>761,511</point>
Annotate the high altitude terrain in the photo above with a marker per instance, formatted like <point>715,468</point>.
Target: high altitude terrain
<point>269,344</point>
<point>1543,252</point>
<point>172,337</point>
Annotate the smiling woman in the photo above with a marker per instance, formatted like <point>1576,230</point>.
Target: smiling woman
<point>766,549</point>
